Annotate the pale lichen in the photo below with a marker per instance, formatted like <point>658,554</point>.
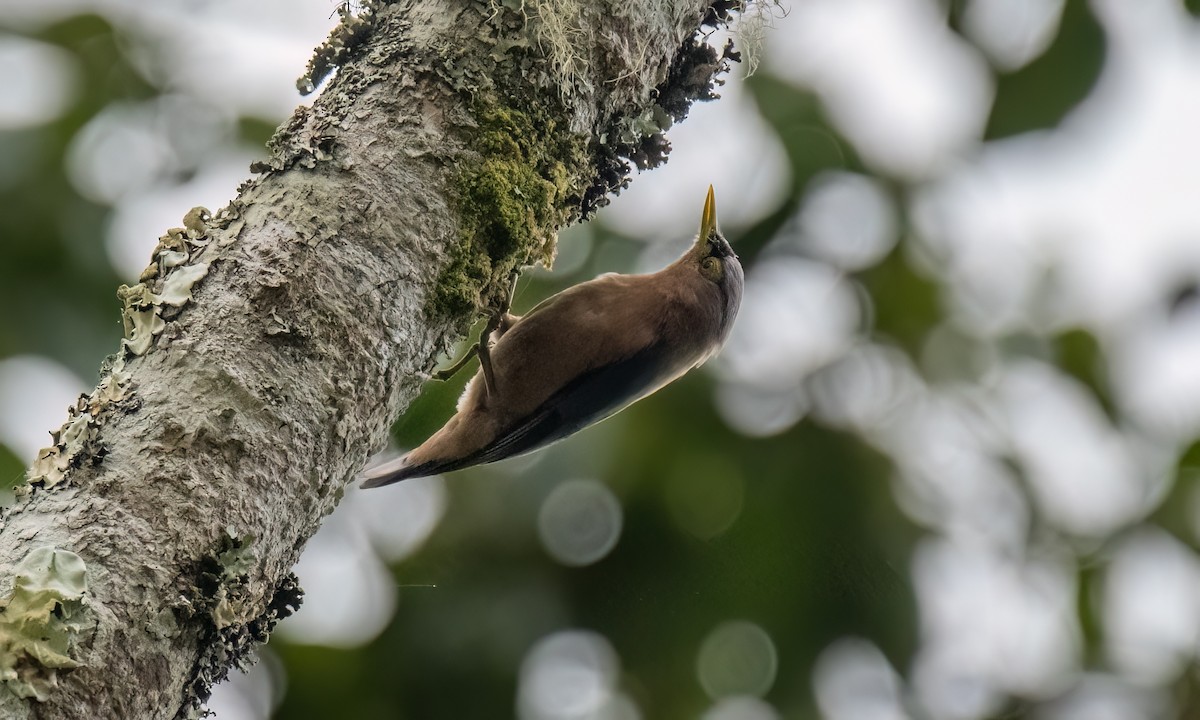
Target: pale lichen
<point>166,282</point>
<point>165,287</point>
<point>177,289</point>
<point>195,222</point>
<point>71,442</point>
<point>231,599</point>
<point>344,40</point>
<point>238,557</point>
<point>230,613</point>
<point>638,138</point>
<point>42,621</point>
<point>561,30</point>
<point>141,317</point>
<point>76,439</point>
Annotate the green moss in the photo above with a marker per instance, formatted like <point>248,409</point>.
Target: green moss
<point>511,201</point>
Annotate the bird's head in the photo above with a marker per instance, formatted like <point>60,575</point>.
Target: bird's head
<point>716,260</point>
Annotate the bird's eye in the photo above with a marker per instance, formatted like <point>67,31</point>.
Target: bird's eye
<point>711,268</point>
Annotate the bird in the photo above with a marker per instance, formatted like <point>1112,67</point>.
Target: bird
<point>581,356</point>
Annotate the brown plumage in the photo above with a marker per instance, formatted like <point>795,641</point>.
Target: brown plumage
<point>584,354</point>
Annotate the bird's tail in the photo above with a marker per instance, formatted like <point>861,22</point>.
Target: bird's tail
<point>393,471</point>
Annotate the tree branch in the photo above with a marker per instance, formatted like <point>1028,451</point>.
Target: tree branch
<point>269,348</point>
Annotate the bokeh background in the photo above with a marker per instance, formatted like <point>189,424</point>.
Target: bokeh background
<point>945,467</point>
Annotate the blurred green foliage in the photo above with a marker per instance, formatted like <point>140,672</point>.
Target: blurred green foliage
<point>55,280</point>
<point>1040,94</point>
<point>818,551</point>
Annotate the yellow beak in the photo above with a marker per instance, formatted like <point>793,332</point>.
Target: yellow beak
<point>708,220</point>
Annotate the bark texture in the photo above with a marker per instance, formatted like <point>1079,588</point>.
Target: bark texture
<point>269,348</point>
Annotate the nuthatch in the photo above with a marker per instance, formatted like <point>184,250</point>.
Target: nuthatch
<point>581,356</point>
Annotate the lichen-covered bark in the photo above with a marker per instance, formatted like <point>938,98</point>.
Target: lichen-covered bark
<point>269,347</point>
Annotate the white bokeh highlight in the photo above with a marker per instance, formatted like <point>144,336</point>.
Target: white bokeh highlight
<point>797,315</point>
<point>852,680</point>
<point>232,54</point>
<point>117,153</point>
<point>580,522</point>
<point>909,94</point>
<point>216,60</point>
<point>1012,32</point>
<point>1024,211</point>
<point>250,695</point>
<point>1151,593</point>
<point>399,521</point>
<point>569,675</point>
<point>737,658</point>
<point>756,411</point>
<point>724,143</point>
<point>741,707</point>
<point>35,393</point>
<point>350,595</point>
<point>1082,471</point>
<point>1104,697</point>
<point>39,82</point>
<point>847,220</point>
<point>1156,371</point>
<point>990,627</point>
<point>865,388</point>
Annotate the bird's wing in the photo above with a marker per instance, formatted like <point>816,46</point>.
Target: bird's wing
<point>588,399</point>
<point>580,330</point>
